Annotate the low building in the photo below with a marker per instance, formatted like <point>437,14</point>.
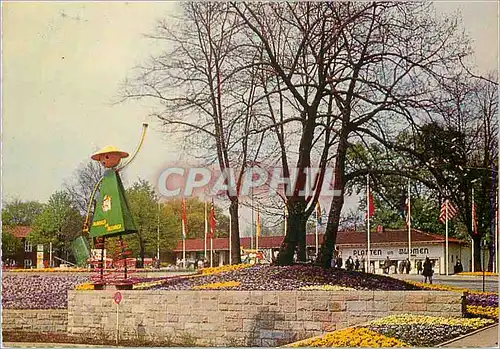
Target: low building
<point>383,244</point>
<point>26,255</point>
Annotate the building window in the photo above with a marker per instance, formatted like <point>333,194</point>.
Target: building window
<point>27,246</point>
<point>27,263</point>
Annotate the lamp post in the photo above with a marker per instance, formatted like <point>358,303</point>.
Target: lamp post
<point>483,249</point>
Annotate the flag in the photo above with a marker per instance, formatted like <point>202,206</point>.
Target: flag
<point>318,213</point>
<point>474,219</point>
<point>184,219</point>
<point>452,211</point>
<point>212,221</point>
<point>371,207</point>
<point>257,229</point>
<point>407,211</point>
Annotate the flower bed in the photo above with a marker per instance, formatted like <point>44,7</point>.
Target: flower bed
<point>223,269</point>
<point>295,277</point>
<point>217,285</point>
<point>424,331</point>
<point>398,331</point>
<point>477,273</point>
<point>38,291</point>
<point>351,337</point>
<point>50,270</point>
<point>326,288</point>
<point>483,312</point>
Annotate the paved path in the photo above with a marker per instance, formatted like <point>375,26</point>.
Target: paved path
<point>470,282</point>
<point>483,339</point>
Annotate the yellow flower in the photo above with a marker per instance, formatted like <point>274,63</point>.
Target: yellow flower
<point>217,285</point>
<point>85,286</point>
<point>413,319</point>
<point>490,312</point>
<point>444,287</point>
<point>351,337</point>
<point>223,269</point>
<point>326,288</point>
<point>478,273</point>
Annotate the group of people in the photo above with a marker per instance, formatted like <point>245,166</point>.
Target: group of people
<point>350,264</point>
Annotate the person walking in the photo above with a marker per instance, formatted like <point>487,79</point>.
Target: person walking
<point>349,264</point>
<point>419,267</point>
<point>356,264</point>
<point>428,271</point>
<point>387,265</point>
<point>402,266</point>
<point>407,266</point>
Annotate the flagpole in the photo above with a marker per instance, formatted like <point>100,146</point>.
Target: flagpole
<point>368,220</point>
<point>473,231</point>
<point>158,236</point>
<point>286,215</point>
<point>409,222</point>
<point>230,233</point>
<point>496,242</point>
<point>317,238</point>
<point>183,247</point>
<point>446,243</point>
<point>211,252</point>
<point>206,230</point>
<point>257,233</point>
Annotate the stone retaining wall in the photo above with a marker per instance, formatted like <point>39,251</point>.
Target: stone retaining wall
<point>252,318</point>
<point>37,320</point>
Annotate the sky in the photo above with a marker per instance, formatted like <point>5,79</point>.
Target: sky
<point>62,66</point>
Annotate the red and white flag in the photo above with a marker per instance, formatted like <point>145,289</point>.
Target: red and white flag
<point>184,219</point>
<point>371,207</point>
<point>452,211</point>
<point>474,219</point>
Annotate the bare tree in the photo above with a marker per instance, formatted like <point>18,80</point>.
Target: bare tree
<point>82,184</point>
<point>204,87</point>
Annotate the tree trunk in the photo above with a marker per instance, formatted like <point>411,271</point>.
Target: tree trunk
<point>235,231</point>
<point>301,239</point>
<point>141,252</point>
<point>478,261</point>
<point>491,254</point>
<point>328,246</point>
<point>295,226</point>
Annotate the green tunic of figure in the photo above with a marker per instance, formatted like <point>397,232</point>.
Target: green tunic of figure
<point>112,214</point>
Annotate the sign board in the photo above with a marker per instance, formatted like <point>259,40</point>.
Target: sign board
<point>117,297</point>
<point>81,250</point>
<point>39,257</point>
<point>95,254</point>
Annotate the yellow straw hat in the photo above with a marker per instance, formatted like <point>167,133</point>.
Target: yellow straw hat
<point>107,150</point>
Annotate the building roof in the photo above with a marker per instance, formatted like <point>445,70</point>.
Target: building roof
<point>344,239</point>
<point>19,231</point>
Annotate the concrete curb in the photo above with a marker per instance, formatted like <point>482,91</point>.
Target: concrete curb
<point>49,345</point>
<point>467,335</point>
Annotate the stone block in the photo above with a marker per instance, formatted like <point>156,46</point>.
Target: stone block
<point>366,295</point>
<point>270,299</point>
<point>313,326</point>
<point>356,306</point>
<point>414,307</point>
<point>321,316</point>
<point>320,305</point>
<point>336,306</point>
<point>377,306</point>
<point>303,315</point>
<point>380,296</point>
<point>269,343</point>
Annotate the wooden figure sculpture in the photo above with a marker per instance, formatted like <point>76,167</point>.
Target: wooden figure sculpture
<point>112,216</point>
